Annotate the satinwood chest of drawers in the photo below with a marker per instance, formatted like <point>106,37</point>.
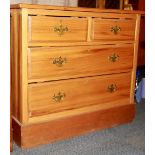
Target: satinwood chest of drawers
<point>73,70</point>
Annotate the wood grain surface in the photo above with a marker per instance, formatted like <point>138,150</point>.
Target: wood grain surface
<point>48,132</point>
<point>42,29</point>
<point>64,8</point>
<point>102,29</point>
<point>78,93</point>
<point>76,62</point>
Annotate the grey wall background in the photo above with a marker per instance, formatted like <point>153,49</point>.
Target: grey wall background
<point>20,1</point>
<point>48,2</point>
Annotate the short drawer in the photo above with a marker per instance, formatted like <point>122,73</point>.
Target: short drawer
<point>52,97</point>
<point>114,29</point>
<point>46,64</point>
<point>56,29</point>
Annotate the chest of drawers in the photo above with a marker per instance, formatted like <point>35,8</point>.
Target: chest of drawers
<point>73,71</point>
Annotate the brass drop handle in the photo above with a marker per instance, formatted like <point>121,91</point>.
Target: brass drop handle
<point>112,88</point>
<point>59,61</point>
<point>59,97</point>
<point>114,57</point>
<point>115,29</point>
<point>60,30</point>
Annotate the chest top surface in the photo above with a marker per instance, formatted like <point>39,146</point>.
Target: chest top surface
<point>78,9</point>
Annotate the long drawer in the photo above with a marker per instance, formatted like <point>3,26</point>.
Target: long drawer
<point>56,29</point>
<point>113,29</point>
<point>52,97</point>
<point>69,62</point>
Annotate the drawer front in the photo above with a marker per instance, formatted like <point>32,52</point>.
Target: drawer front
<point>114,29</point>
<point>49,29</point>
<point>52,97</point>
<point>63,63</point>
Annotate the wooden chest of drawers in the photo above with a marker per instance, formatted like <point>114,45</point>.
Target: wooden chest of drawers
<point>73,70</point>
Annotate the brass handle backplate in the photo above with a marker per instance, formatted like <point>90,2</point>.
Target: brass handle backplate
<point>59,97</point>
<point>112,88</point>
<point>115,29</point>
<point>60,30</point>
<point>59,61</point>
<point>114,57</point>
